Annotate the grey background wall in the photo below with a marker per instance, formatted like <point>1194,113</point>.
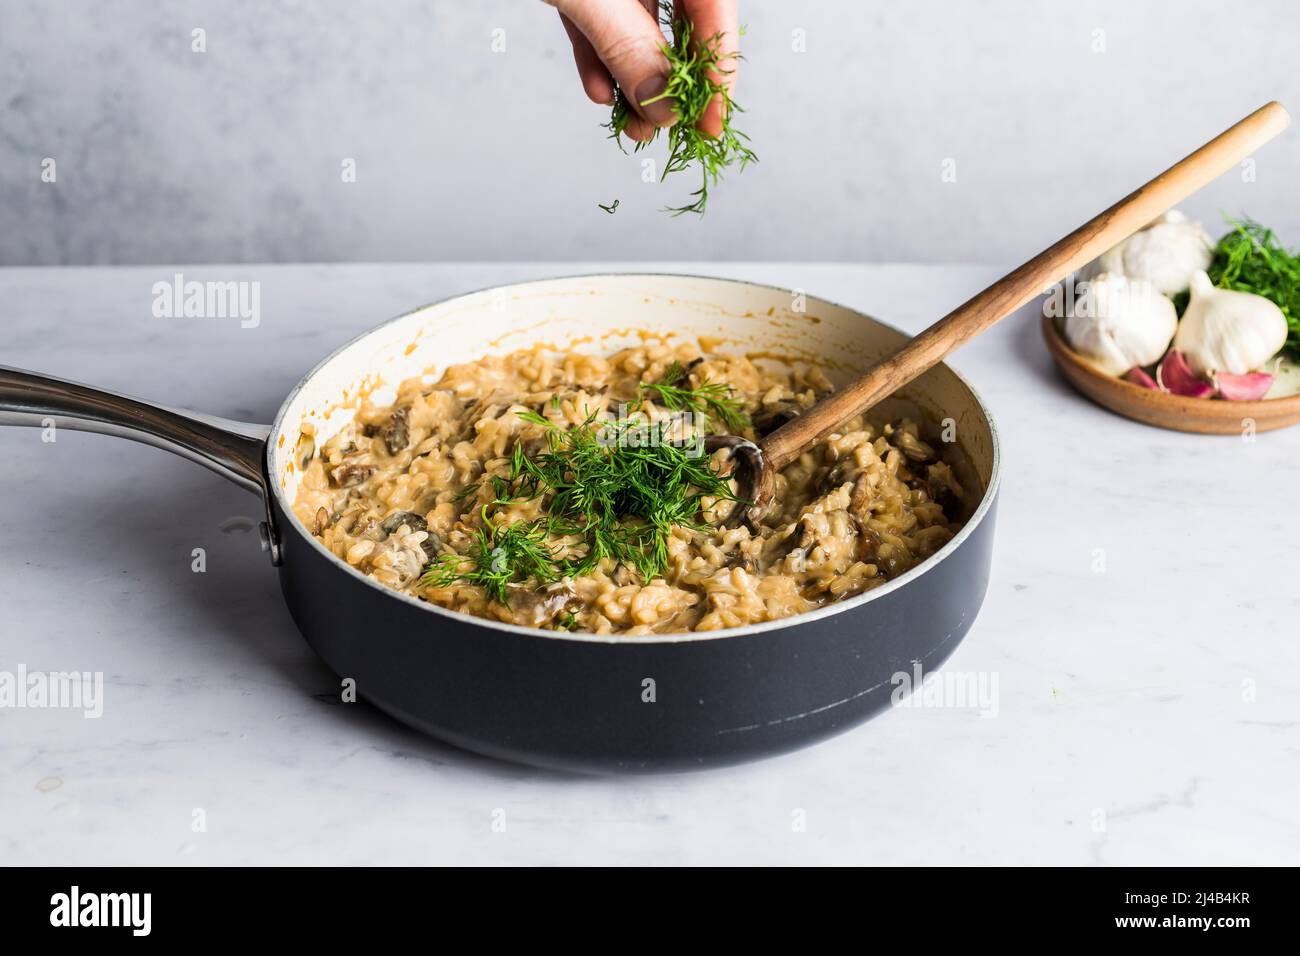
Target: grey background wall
<point>234,155</point>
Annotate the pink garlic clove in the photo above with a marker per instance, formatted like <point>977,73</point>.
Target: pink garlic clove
<point>1243,388</point>
<point>1176,376</point>
<point>1138,376</point>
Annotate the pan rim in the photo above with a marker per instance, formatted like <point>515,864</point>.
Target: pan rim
<point>807,617</point>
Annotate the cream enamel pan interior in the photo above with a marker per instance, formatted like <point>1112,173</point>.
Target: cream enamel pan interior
<point>601,314</point>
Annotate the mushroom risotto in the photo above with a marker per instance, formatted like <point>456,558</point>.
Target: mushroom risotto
<point>570,492</point>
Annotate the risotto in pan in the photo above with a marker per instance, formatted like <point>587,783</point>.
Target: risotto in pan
<point>571,492</point>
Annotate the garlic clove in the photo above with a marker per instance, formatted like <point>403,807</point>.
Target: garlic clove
<point>1138,376</point>
<point>1244,388</point>
<point>1175,376</point>
<point>1223,330</point>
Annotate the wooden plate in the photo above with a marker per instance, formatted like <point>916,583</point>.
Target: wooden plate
<point>1203,416</point>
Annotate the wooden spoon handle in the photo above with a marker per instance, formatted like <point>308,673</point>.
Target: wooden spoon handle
<point>1015,289</point>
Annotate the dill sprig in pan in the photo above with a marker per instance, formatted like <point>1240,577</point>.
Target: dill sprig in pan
<point>619,486</point>
<point>500,555</point>
<point>690,88</point>
<point>709,398</point>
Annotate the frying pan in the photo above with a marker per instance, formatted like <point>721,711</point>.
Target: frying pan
<point>575,701</point>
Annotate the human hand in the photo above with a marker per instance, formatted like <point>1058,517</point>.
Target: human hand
<point>620,41</point>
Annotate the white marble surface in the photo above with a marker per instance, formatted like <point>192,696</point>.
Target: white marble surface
<point>1147,714</point>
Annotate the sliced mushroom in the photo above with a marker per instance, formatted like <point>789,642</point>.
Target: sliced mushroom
<point>380,530</point>
<point>861,497</point>
<point>322,519</point>
<point>868,543</point>
<point>913,447</point>
<point>396,431</point>
<point>348,476</point>
<point>834,477</point>
<point>398,518</point>
<point>771,417</point>
<point>744,561</point>
<point>541,607</point>
<point>431,546</point>
<point>347,520</point>
<point>939,486</point>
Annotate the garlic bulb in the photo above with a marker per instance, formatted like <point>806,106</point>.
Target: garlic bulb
<point>1165,252</point>
<point>1118,323</point>
<point>1227,331</point>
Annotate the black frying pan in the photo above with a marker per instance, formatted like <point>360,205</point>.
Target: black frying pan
<point>580,701</point>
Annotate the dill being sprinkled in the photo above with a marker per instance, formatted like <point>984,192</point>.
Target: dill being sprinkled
<point>713,399</point>
<point>610,208</point>
<point>690,88</point>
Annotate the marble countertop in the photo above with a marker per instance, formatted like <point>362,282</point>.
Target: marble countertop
<point>1141,624</point>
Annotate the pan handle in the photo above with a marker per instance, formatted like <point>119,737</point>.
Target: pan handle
<point>234,450</point>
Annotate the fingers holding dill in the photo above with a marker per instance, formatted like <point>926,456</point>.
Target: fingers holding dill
<point>698,76</point>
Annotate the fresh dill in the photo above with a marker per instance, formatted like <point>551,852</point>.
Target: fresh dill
<point>499,555</point>
<point>708,398</point>
<point>613,489</point>
<point>1251,259</point>
<point>610,208</point>
<point>690,87</point>
<point>618,487</point>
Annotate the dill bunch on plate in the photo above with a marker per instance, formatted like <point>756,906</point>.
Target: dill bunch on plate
<point>1251,259</point>
<point>691,86</point>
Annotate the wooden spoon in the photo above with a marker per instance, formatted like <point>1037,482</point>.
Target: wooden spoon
<point>757,464</point>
